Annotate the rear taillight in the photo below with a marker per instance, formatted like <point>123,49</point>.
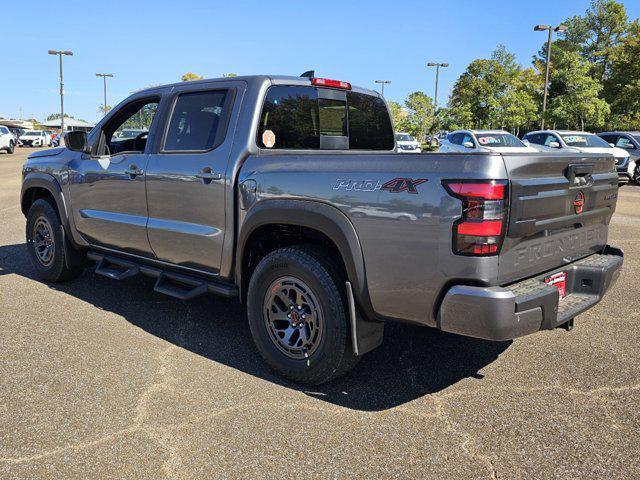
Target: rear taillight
<point>481,228</point>
<point>327,82</point>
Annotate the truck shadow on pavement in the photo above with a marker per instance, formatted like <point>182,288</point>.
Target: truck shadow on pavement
<point>412,361</point>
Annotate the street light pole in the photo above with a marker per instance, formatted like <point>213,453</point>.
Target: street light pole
<point>539,28</point>
<point>383,82</point>
<point>60,53</point>
<point>104,80</point>
<point>437,65</point>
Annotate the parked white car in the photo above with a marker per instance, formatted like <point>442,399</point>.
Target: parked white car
<point>35,138</point>
<point>498,141</point>
<point>584,142</point>
<point>7,140</point>
<point>407,144</point>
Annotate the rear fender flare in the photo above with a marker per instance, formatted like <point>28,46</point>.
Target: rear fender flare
<point>321,217</point>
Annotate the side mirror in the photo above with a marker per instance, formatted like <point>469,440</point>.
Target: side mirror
<point>554,145</point>
<point>468,145</point>
<point>611,145</point>
<point>76,141</point>
<point>526,143</point>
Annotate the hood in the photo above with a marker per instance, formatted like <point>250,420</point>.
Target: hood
<point>50,152</point>
<point>405,142</point>
<point>615,151</point>
<point>512,149</point>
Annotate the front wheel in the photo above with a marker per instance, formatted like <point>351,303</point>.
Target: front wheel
<point>47,245</point>
<point>636,175</point>
<point>11,147</point>
<point>297,313</point>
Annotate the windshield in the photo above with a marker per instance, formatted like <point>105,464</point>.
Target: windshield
<point>637,137</point>
<point>584,141</point>
<point>130,133</point>
<point>403,137</point>
<point>498,140</point>
<point>32,134</point>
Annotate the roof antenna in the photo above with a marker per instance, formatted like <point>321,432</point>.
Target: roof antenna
<point>309,74</point>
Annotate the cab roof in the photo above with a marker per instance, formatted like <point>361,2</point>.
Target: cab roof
<point>256,80</point>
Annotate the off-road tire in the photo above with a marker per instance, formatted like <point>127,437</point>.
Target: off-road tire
<point>334,354</point>
<point>44,216</point>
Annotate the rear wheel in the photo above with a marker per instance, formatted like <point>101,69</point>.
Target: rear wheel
<point>297,315</point>
<point>47,245</point>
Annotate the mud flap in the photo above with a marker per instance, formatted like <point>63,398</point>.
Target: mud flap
<point>365,335</point>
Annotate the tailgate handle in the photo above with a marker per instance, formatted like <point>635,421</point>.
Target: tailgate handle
<point>580,175</point>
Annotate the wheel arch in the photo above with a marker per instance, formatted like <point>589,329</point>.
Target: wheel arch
<point>42,185</point>
<point>317,216</point>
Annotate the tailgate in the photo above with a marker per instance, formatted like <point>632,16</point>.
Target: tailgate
<point>560,208</point>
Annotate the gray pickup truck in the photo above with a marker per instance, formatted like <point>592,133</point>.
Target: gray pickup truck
<point>286,192</point>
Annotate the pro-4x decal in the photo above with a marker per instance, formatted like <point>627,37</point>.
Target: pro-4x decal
<point>398,185</point>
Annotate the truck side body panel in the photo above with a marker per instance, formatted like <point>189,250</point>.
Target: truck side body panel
<point>405,237</point>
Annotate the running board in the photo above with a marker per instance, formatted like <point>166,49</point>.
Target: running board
<point>180,286</point>
<point>116,268</point>
<point>177,285</point>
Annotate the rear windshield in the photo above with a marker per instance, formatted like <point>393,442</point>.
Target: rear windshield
<point>294,117</point>
<point>584,141</point>
<point>403,137</point>
<point>498,140</point>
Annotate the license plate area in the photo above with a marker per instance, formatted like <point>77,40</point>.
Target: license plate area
<point>558,280</point>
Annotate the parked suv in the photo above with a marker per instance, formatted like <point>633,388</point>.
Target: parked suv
<point>407,143</point>
<point>585,142</point>
<point>7,140</point>
<point>287,193</point>
<point>629,141</point>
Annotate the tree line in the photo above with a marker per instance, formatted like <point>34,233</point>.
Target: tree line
<point>594,83</point>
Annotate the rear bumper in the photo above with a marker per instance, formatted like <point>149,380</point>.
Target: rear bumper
<point>503,313</point>
<point>626,170</point>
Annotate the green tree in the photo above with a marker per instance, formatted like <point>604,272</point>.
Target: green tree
<point>56,116</point>
<point>421,117</point>
<point>399,116</point>
<point>623,86</point>
<point>104,109</point>
<point>595,35</point>
<point>494,93</point>
<point>574,101</point>
<point>190,76</point>
<point>224,75</point>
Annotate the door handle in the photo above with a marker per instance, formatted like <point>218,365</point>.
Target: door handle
<point>207,175</point>
<point>134,171</point>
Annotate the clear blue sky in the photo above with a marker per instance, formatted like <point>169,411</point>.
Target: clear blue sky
<point>156,41</point>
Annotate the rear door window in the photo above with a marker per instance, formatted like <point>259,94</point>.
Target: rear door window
<point>198,121</point>
<point>298,117</point>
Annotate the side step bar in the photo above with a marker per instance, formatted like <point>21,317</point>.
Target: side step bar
<point>177,285</point>
<point>116,268</point>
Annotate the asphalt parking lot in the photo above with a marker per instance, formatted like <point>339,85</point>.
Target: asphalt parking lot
<point>109,379</point>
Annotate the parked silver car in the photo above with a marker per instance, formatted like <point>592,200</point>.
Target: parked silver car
<point>498,141</point>
<point>585,142</point>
